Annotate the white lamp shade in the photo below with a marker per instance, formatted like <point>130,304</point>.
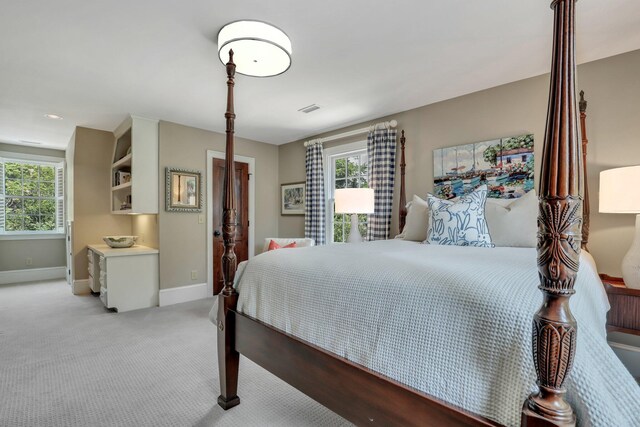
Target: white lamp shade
<point>619,190</point>
<point>355,201</point>
<point>259,49</point>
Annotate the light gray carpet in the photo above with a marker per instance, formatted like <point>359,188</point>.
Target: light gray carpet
<point>66,361</point>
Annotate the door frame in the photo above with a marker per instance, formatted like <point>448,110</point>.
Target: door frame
<point>213,154</point>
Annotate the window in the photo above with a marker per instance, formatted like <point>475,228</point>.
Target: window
<point>31,196</point>
<point>347,168</point>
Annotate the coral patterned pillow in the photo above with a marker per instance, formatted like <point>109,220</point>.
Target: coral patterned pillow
<point>274,245</point>
<point>460,223</point>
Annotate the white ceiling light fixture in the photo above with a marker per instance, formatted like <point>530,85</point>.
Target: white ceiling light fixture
<point>53,116</point>
<point>259,49</point>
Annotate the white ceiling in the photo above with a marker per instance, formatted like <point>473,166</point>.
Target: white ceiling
<point>93,62</point>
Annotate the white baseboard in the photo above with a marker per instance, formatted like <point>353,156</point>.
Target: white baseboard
<point>32,275</point>
<point>81,287</point>
<point>183,294</point>
<point>627,348</point>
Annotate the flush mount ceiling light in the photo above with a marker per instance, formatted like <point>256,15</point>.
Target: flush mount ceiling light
<point>259,49</point>
<point>53,116</point>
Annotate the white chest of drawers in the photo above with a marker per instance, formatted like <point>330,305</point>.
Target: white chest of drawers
<point>127,278</point>
<point>94,271</point>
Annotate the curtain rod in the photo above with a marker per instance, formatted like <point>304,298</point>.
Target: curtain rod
<point>391,123</point>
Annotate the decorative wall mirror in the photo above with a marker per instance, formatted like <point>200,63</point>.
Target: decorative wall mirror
<point>184,190</point>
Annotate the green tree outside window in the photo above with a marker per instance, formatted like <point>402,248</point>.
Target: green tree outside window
<point>30,202</point>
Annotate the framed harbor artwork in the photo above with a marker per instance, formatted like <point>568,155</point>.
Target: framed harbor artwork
<point>505,165</point>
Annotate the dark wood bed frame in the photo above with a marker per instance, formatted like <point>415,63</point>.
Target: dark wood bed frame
<point>366,397</point>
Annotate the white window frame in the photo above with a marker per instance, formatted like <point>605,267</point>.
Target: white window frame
<point>329,179</point>
<point>58,164</point>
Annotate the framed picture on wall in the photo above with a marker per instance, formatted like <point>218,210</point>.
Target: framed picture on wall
<point>505,165</point>
<point>183,190</point>
<point>292,198</point>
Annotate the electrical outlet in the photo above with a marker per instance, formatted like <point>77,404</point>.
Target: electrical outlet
<point>29,261</point>
<point>194,274</point>
<point>200,219</point>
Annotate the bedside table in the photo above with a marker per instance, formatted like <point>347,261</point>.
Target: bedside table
<point>624,315</point>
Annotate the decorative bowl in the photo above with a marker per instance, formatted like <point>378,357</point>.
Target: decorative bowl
<point>120,241</point>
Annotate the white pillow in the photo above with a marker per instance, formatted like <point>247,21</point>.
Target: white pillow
<point>460,223</point>
<point>417,221</point>
<point>499,202</point>
<point>515,224</point>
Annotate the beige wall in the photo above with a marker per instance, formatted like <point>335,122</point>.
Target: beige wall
<point>292,157</point>
<point>23,149</point>
<point>93,151</point>
<point>146,228</point>
<point>43,252</point>
<point>612,89</point>
<point>182,239</point>
<point>179,236</point>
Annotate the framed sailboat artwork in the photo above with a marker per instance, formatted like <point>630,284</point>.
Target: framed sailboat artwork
<point>506,165</point>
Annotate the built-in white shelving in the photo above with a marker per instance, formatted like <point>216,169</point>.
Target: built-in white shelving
<point>125,161</point>
<point>121,186</point>
<point>134,169</point>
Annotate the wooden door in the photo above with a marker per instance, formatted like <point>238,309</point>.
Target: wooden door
<point>242,206</point>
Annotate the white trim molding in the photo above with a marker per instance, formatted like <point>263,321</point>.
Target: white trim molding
<point>329,173</point>
<point>32,157</point>
<point>628,353</point>
<point>81,287</point>
<point>183,294</point>
<point>626,347</point>
<point>32,236</point>
<point>32,275</point>
<point>338,150</point>
<point>211,154</point>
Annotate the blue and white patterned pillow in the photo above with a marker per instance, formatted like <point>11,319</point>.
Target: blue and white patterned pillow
<point>460,223</point>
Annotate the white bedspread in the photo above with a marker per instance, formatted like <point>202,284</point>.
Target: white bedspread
<point>454,322</point>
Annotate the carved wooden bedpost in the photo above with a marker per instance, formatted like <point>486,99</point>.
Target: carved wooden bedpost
<point>559,235</point>
<point>228,357</point>
<point>586,211</point>
<point>402,208</point>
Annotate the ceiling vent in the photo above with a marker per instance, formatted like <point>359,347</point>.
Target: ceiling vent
<point>309,108</point>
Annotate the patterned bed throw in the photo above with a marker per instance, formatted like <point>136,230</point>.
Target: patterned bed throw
<point>454,322</point>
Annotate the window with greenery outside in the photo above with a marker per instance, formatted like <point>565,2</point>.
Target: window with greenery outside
<point>30,197</point>
<point>350,172</point>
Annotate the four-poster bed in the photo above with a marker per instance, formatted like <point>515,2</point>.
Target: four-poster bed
<point>365,396</point>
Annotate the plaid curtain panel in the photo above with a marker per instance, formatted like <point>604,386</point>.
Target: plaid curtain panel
<point>381,150</point>
<point>314,201</point>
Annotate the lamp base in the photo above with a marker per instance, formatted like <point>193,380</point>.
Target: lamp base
<point>631,261</point>
<point>354,234</point>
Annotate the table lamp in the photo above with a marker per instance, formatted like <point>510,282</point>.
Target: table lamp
<point>620,193</point>
<point>354,201</point>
